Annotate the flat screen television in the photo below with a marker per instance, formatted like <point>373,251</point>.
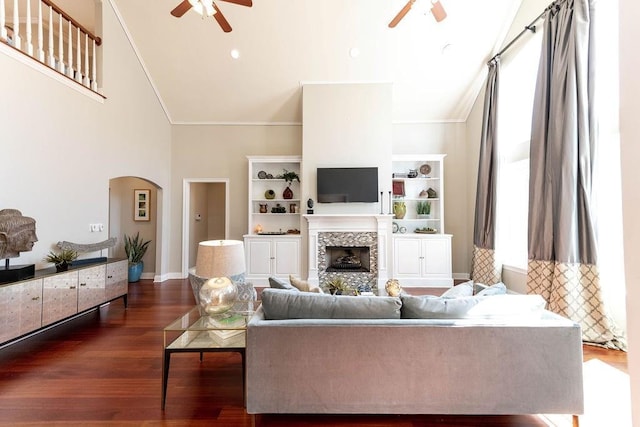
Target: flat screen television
<point>347,185</point>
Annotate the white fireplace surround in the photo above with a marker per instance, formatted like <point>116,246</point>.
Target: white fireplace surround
<point>319,223</point>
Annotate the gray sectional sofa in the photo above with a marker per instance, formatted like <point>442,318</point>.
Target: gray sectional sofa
<point>314,353</point>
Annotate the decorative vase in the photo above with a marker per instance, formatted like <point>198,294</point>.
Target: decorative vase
<point>287,193</point>
<point>263,208</point>
<point>399,209</point>
<point>269,194</point>
<point>135,271</point>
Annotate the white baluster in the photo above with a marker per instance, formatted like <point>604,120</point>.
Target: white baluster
<point>40,37</point>
<point>86,81</point>
<point>28,29</point>
<point>52,58</point>
<point>70,51</point>
<point>78,56</point>
<point>17,43</point>
<point>94,83</point>
<point>61,64</point>
<point>3,28</point>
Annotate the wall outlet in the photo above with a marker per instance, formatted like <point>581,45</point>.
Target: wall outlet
<point>96,227</point>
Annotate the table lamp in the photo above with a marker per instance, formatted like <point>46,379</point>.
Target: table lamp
<point>217,260</point>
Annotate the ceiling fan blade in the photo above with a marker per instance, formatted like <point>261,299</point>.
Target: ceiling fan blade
<point>222,21</point>
<point>181,9</point>
<point>401,14</point>
<point>247,3</point>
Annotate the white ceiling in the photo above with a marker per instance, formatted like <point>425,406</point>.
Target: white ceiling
<point>286,43</point>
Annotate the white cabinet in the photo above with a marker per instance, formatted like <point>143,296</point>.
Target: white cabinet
<point>271,210</point>
<point>271,256</point>
<point>419,179</point>
<point>91,289</point>
<point>422,260</point>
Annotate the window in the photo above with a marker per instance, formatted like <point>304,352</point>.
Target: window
<point>518,74</point>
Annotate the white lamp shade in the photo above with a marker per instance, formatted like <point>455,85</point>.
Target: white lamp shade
<point>220,258</point>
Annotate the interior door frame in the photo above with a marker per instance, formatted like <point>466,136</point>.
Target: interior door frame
<point>186,201</point>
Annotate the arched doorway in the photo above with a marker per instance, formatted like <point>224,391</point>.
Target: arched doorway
<point>132,211</point>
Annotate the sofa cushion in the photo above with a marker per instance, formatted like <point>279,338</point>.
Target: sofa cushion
<point>497,289</point>
<point>279,304</point>
<point>276,283</point>
<point>462,290</point>
<point>506,307</point>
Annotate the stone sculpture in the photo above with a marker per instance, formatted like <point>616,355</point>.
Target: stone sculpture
<point>17,233</point>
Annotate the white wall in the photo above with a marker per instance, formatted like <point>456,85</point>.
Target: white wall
<point>630,153</point>
<point>60,147</point>
<point>346,125</point>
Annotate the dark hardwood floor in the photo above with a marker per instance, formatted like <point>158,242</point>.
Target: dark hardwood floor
<point>104,368</point>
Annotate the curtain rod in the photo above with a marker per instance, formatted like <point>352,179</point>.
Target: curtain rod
<point>531,27</point>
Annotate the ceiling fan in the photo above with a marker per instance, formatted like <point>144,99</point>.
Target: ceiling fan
<point>208,8</point>
<point>437,11</point>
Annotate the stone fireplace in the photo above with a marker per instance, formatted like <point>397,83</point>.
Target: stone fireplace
<point>351,247</point>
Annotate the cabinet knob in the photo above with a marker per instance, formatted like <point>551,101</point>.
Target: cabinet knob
<point>72,287</point>
<point>35,298</point>
<point>109,277</point>
<point>83,284</point>
<point>273,257</point>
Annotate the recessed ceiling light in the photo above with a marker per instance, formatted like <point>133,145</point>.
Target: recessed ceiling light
<point>235,53</point>
<point>354,52</point>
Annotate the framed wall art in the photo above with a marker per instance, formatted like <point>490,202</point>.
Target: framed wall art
<point>141,205</point>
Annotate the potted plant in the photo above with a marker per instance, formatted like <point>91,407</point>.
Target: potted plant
<point>135,248</point>
<point>423,209</point>
<point>61,259</point>
<point>288,176</point>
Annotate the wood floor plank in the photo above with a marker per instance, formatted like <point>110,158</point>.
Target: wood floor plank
<point>104,369</point>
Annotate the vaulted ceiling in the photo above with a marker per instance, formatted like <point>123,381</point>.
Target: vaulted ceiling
<point>436,68</point>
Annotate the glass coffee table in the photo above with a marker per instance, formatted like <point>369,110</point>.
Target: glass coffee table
<point>195,333</point>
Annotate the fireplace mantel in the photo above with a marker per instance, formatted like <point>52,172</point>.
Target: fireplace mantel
<point>319,223</point>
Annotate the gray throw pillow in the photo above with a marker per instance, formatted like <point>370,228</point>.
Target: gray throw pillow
<point>276,283</point>
<point>497,289</point>
<point>462,290</point>
<point>279,304</point>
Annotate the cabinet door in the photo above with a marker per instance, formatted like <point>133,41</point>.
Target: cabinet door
<point>407,257</point>
<point>259,256</point>
<point>20,308</point>
<point>9,317</point>
<point>91,287</point>
<point>117,283</point>
<point>30,305</point>
<point>287,257</point>
<point>59,297</point>
<point>437,256</point>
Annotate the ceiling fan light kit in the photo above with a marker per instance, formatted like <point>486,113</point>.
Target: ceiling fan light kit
<point>208,8</point>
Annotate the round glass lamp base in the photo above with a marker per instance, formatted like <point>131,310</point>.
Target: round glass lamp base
<point>217,295</point>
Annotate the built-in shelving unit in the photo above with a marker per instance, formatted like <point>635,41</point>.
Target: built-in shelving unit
<point>273,241</point>
<point>419,179</point>
<point>421,249</point>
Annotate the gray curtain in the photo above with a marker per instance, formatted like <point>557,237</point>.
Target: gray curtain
<point>562,238</point>
<point>485,268</point>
